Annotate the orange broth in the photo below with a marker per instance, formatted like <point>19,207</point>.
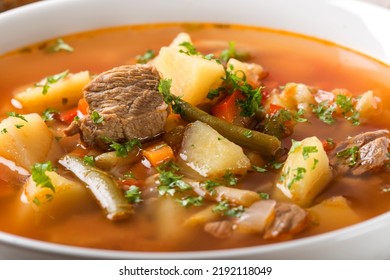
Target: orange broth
<point>287,57</point>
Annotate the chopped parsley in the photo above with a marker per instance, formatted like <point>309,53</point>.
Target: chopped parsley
<point>324,112</point>
<point>4,131</point>
<point>264,195</point>
<point>346,105</point>
<point>147,56</point>
<point>299,172</point>
<point>191,50</point>
<point>175,102</point>
<point>350,155</point>
<point>48,114</point>
<point>89,160</point>
<point>209,186</point>
<point>295,145</point>
<point>96,117</point>
<point>122,150</point>
<point>18,126</point>
<point>279,124</point>
<point>191,200</point>
<point>259,169</point>
<point>307,150</point>
<point>36,201</point>
<point>248,133</point>
<point>133,194</point>
<point>229,178</point>
<point>50,80</point>
<point>232,52</point>
<point>314,164</point>
<point>170,181</point>
<point>225,209</point>
<point>16,115</point>
<point>58,46</point>
<point>39,176</point>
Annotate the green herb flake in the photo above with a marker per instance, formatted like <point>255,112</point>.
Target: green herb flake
<point>314,164</point>
<point>345,103</point>
<point>350,155</point>
<point>50,80</point>
<point>307,150</point>
<point>16,115</point>
<point>191,201</point>
<point>324,112</point>
<point>4,131</point>
<point>146,57</point>
<point>38,173</point>
<point>96,117</point>
<point>248,133</point>
<point>298,176</point>
<point>209,186</point>
<point>259,169</point>
<point>133,194</point>
<point>19,126</point>
<point>122,150</point>
<point>48,114</point>
<point>170,181</point>
<point>58,46</point>
<point>229,178</point>
<point>191,50</point>
<point>264,195</point>
<point>225,209</point>
<point>89,160</point>
<point>232,52</point>
<point>175,102</point>
<point>294,146</point>
<point>36,201</point>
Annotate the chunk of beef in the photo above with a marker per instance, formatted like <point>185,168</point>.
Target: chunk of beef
<point>128,100</point>
<point>219,229</point>
<point>289,219</point>
<point>371,153</point>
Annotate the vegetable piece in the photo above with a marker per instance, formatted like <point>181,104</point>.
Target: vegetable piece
<point>68,115</point>
<point>306,171</point>
<point>256,217</point>
<point>227,109</point>
<point>368,105</point>
<point>209,153</point>
<point>66,196</point>
<point>157,154</point>
<point>265,144</point>
<point>236,196</point>
<point>192,75</point>
<point>253,72</point>
<point>61,95</point>
<point>27,141</point>
<point>103,187</point>
<point>336,207</point>
<point>203,216</point>
<point>110,160</point>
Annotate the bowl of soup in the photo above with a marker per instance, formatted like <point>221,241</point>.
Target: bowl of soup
<point>194,129</point>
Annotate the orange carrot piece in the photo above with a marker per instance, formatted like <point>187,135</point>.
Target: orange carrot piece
<point>158,153</point>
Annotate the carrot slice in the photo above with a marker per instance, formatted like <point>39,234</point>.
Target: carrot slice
<point>158,153</point>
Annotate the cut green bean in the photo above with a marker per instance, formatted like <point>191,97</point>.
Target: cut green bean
<point>265,144</point>
<point>103,187</point>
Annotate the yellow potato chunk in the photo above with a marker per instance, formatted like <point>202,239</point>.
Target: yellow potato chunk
<point>192,75</point>
<point>368,105</point>
<point>306,171</point>
<point>62,94</point>
<point>67,197</point>
<point>26,141</point>
<point>209,153</point>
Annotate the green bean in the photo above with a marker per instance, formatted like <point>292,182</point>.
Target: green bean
<point>103,187</point>
<point>265,144</point>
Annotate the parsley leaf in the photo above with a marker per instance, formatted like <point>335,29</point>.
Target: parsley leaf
<point>16,115</point>
<point>39,176</point>
<point>58,46</point>
<point>259,169</point>
<point>48,114</point>
<point>324,112</point>
<point>351,155</point>
<point>122,150</point>
<point>175,102</point>
<point>295,145</point>
<point>89,160</point>
<point>263,195</point>
<point>147,56</point>
<point>96,117</point>
<point>230,179</point>
<point>346,105</point>
<point>308,150</point>
<point>191,200</point>
<point>209,185</point>
<point>4,131</point>
<point>232,52</point>
<point>299,172</point>
<point>170,181</point>
<point>133,194</point>
<point>50,80</point>
<point>191,50</point>
<point>225,209</point>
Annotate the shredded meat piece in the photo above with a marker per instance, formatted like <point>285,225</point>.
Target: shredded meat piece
<point>219,229</point>
<point>372,153</point>
<point>127,98</point>
<point>289,219</point>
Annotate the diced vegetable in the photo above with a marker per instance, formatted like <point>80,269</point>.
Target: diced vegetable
<point>110,160</point>
<point>256,217</point>
<point>336,207</point>
<point>236,196</point>
<point>158,153</point>
<point>253,72</point>
<point>26,140</point>
<point>209,153</point>
<point>192,75</point>
<point>203,216</point>
<point>61,95</point>
<point>68,196</point>
<point>306,171</point>
<point>227,109</point>
<point>103,187</point>
<point>367,105</point>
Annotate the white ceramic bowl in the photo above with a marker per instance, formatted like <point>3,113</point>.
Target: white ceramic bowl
<point>353,24</point>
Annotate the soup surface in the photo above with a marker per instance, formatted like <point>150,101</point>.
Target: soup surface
<point>160,222</point>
